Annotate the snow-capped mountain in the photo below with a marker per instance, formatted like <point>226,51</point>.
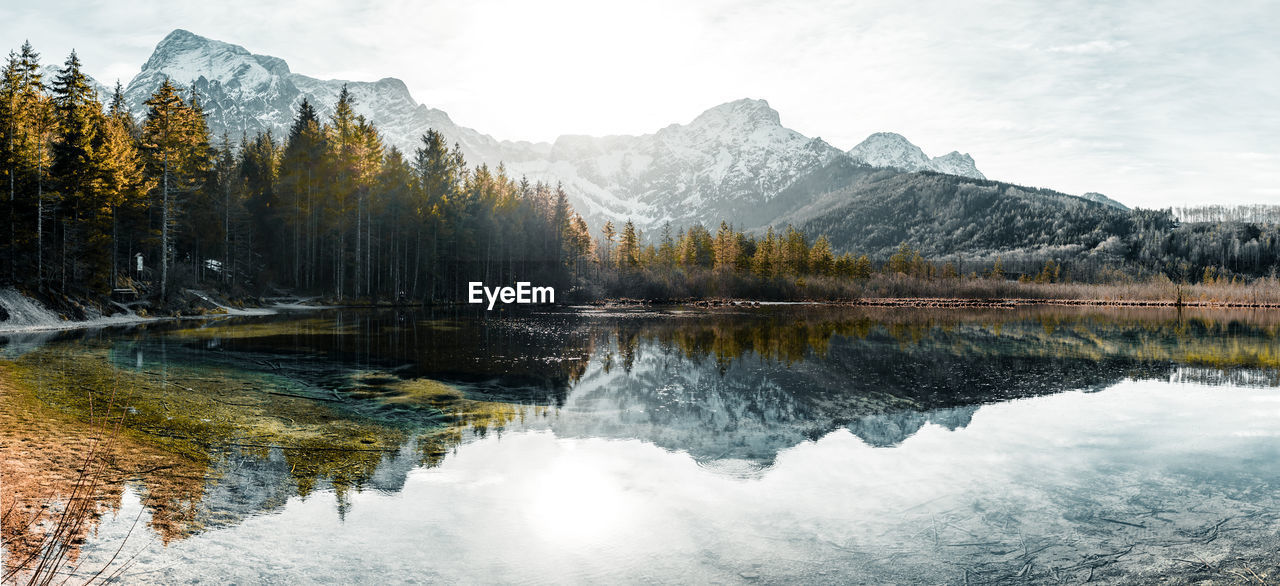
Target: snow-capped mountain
<point>888,149</point>
<point>957,163</point>
<point>732,157</point>
<point>247,93</point>
<point>49,73</point>
<point>728,163</point>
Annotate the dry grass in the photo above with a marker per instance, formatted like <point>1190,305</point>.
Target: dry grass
<point>682,285</point>
<point>56,487</point>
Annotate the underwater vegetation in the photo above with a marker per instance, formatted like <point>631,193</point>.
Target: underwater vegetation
<point>214,421</point>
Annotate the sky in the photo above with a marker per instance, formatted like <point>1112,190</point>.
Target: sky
<point>1156,103</point>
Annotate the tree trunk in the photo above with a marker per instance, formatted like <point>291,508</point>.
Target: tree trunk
<point>62,259</point>
<point>40,218</point>
<point>164,234</point>
<point>226,229</point>
<point>417,265</point>
<point>13,240</point>
<point>355,287</point>
<point>115,249</point>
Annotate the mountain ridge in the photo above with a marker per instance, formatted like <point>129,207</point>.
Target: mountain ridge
<point>726,163</point>
<point>890,149</point>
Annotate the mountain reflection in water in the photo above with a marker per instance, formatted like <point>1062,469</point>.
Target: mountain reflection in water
<point>229,419</point>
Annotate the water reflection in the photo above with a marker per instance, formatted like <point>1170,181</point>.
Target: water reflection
<point>230,419</point>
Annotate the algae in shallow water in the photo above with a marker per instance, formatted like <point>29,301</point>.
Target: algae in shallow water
<point>180,421</point>
<point>200,412</point>
<point>53,460</point>
<point>234,329</point>
<point>195,414</point>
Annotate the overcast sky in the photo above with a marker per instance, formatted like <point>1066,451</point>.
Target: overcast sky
<point>1153,103</point>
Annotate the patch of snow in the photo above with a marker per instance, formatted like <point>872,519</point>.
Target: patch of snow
<point>28,315</point>
<point>888,149</point>
<point>231,310</point>
<point>727,160</point>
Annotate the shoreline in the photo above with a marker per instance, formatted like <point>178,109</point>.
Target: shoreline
<point>1025,302</point>
<point>941,302</point>
<point>878,302</point>
<point>133,319</point>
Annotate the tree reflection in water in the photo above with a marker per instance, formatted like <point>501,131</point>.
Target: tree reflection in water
<point>230,418</point>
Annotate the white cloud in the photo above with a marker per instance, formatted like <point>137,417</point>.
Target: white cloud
<point>1090,48</point>
<point>1252,156</point>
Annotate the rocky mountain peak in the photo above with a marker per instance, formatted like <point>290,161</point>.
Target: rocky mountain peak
<point>730,162</point>
<point>220,71</point>
<point>744,112</point>
<point>957,163</point>
<point>1102,199</point>
<point>890,149</point>
<point>179,40</point>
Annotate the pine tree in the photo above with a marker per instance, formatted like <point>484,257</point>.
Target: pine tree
<point>696,248</point>
<point>667,248</point>
<point>821,262</point>
<point>629,247</point>
<point>121,180</point>
<point>900,262</point>
<point>14,128</point>
<point>844,266</point>
<point>580,242</point>
<point>351,210</point>
<point>762,262</point>
<point>27,128</point>
<point>607,250</point>
<point>343,134</point>
<point>218,209</point>
<point>862,268</point>
<point>176,144</point>
<point>795,253</point>
<point>560,221</point>
<point>261,180</point>
<point>439,175</point>
<point>296,213</point>
<point>119,110</point>
<point>75,163</point>
<point>997,270</point>
<point>9,120</point>
<point>726,248</point>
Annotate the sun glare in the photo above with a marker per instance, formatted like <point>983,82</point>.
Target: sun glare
<point>578,502</point>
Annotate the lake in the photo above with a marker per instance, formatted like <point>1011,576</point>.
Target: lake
<point>775,444</point>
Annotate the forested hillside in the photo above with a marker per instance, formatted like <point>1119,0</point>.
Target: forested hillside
<point>328,209</point>
<point>331,210</point>
<point>946,214</point>
<point>947,217</point>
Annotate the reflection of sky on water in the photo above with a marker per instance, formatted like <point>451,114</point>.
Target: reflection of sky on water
<point>1072,484</point>
<point>775,444</point>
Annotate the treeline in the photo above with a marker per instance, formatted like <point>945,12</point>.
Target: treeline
<point>1248,214</point>
<point>693,262</point>
<point>775,254</point>
<point>329,210</point>
<point>969,221</point>
<point>778,265</point>
<point>97,200</point>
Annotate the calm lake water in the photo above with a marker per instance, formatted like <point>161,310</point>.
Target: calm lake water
<point>738,445</point>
